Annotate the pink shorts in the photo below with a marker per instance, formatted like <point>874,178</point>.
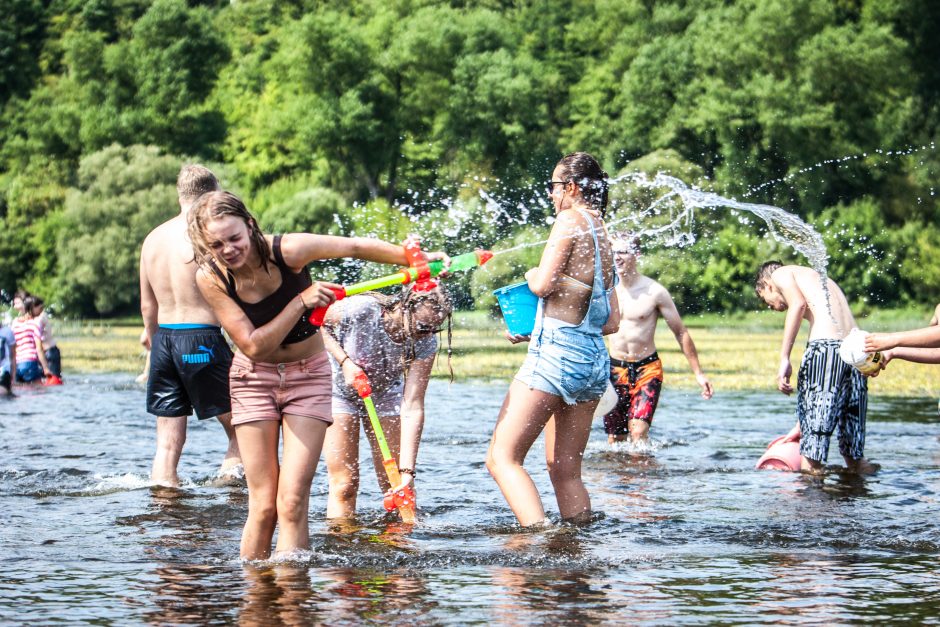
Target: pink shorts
<point>266,391</point>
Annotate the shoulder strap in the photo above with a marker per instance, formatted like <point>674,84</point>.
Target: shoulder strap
<point>276,248</point>
<point>590,220</point>
<point>598,271</point>
<point>228,279</point>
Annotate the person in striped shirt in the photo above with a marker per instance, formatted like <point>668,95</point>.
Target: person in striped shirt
<point>831,395</point>
<point>31,364</point>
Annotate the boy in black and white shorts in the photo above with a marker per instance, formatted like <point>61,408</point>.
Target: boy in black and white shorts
<point>832,396</point>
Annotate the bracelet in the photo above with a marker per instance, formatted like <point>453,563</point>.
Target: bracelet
<point>407,471</point>
<point>302,303</point>
<point>343,361</point>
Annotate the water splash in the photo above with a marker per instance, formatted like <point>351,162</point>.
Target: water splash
<point>680,201</point>
<point>677,204</point>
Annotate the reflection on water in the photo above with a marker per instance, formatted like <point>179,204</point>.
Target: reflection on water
<point>687,532</point>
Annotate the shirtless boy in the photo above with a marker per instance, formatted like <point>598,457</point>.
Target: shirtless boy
<point>830,393</point>
<point>635,369</point>
<point>190,359</point>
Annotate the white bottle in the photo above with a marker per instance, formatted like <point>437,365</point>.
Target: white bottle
<point>852,352</point>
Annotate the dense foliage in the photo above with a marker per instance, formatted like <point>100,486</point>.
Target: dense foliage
<point>383,117</point>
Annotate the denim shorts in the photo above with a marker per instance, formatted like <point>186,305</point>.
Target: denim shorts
<point>28,371</point>
<point>574,366</point>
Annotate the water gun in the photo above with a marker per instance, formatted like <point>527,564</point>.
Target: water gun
<point>419,273</point>
<point>403,500</point>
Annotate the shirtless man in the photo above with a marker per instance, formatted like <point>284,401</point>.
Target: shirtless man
<point>635,369</point>
<point>190,359</point>
<point>830,393</point>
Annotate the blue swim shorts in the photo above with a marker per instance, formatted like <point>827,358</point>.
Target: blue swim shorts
<point>574,366</point>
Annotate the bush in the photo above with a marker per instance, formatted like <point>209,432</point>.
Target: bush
<point>122,193</point>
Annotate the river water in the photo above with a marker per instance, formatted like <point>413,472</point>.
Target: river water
<point>690,534</point>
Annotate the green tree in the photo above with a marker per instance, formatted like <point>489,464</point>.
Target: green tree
<point>121,194</point>
<point>21,37</point>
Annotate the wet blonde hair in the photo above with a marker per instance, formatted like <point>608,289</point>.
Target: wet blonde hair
<point>215,205</point>
<point>408,301</point>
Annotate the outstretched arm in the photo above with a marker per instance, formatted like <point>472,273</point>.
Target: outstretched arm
<point>669,312</point>
<point>299,249</point>
<point>927,337</point>
<point>916,355</point>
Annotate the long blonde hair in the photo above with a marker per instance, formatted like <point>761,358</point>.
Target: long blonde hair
<point>212,206</point>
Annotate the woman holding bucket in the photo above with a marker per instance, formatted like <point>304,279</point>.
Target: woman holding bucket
<point>280,380</point>
<point>566,369</point>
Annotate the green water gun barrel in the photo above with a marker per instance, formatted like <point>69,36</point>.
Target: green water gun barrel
<point>460,263</point>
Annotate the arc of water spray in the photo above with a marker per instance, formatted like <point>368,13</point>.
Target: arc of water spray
<point>782,225</point>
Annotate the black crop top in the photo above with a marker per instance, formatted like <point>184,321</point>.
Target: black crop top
<point>265,310</point>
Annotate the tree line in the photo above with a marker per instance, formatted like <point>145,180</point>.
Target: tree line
<point>445,118</point>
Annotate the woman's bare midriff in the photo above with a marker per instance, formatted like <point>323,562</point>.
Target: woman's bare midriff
<point>295,352</point>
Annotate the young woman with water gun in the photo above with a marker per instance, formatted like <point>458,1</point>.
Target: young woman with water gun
<point>280,380</point>
<point>566,369</point>
<point>390,341</point>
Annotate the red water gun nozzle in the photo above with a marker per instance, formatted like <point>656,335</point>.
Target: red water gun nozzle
<point>400,498</point>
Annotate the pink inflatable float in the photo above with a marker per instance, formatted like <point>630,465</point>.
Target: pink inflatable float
<point>781,455</point>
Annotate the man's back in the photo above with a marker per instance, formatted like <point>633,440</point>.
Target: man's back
<point>829,318</point>
<point>167,259</point>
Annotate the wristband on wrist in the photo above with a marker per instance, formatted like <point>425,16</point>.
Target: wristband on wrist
<point>407,471</point>
<point>302,303</point>
<point>343,360</point>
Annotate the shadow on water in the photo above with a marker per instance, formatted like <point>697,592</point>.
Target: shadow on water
<point>684,531</point>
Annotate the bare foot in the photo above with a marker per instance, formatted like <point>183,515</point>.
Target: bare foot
<point>862,466</point>
<point>229,475</point>
<point>811,466</point>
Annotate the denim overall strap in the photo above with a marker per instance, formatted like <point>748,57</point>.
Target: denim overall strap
<point>598,292</point>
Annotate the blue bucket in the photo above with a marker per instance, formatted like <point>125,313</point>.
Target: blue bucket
<point>518,304</point>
